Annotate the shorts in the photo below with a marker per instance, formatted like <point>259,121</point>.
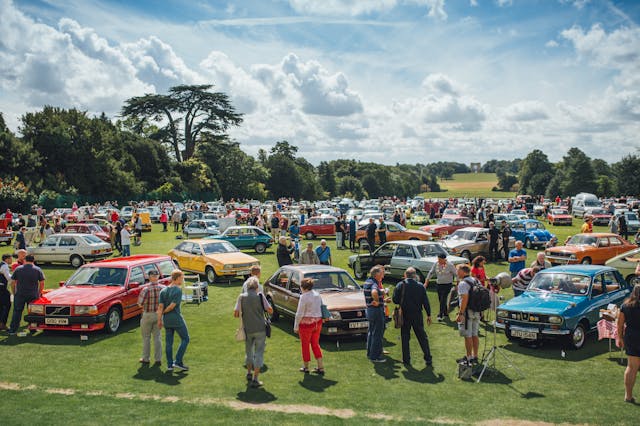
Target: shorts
<point>471,324</point>
<point>138,232</point>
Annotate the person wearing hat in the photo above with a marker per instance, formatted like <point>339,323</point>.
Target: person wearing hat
<point>445,274</point>
<point>148,301</point>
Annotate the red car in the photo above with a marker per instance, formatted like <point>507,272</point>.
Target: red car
<point>98,296</point>
<point>319,226</point>
<point>448,225</point>
<point>88,228</point>
<point>559,217</point>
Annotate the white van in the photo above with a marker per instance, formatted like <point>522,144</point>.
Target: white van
<point>583,203</point>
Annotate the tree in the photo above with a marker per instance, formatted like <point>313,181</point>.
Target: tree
<point>578,173</point>
<point>506,181</point>
<point>350,186</point>
<point>535,173</point>
<point>327,178</point>
<point>199,109</point>
<point>626,170</point>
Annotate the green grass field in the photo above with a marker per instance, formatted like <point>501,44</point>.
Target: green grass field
<point>469,185</point>
<point>55,378</point>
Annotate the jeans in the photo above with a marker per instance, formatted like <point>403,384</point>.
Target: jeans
<point>5,304</point>
<point>339,241</point>
<point>375,315</point>
<point>149,328</point>
<point>405,333</point>
<point>126,250</point>
<point>352,241</point>
<point>310,336</point>
<point>254,345</point>
<point>443,293</point>
<point>19,302</point>
<point>184,341</point>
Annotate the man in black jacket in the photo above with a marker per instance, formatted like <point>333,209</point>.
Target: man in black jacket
<point>412,297</point>
<point>283,253</point>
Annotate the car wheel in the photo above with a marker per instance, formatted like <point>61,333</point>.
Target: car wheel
<point>466,255</point>
<point>508,335</point>
<point>578,336</point>
<point>211,275</point>
<point>362,242</point>
<point>275,315</point>
<point>309,235</point>
<point>420,277</point>
<point>528,244</point>
<point>76,261</point>
<point>260,248</point>
<point>413,239</point>
<point>114,318</point>
<point>633,280</point>
<point>586,261</point>
<point>357,270</point>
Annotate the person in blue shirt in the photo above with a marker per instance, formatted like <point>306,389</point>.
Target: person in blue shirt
<point>324,253</point>
<point>170,317</point>
<point>517,259</point>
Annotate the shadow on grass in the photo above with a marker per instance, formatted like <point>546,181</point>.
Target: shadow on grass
<point>256,395</point>
<point>157,374</point>
<point>554,349</point>
<point>58,338</point>
<point>316,383</point>
<point>526,395</point>
<point>426,375</point>
<point>388,370</point>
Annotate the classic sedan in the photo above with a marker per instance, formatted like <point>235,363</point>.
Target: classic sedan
<point>397,256</point>
<point>626,264</point>
<point>600,216</point>
<point>199,228</point>
<point>88,228</point>
<point>339,291</point>
<point>471,242</point>
<point>448,225</point>
<point>593,248</point>
<point>246,237</point>
<point>562,302</point>
<point>559,217</point>
<point>419,218</point>
<point>531,232</point>
<point>633,223</point>
<point>213,259</point>
<point>74,249</point>
<point>319,226</point>
<point>395,232</point>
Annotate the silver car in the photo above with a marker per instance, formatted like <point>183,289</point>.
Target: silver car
<point>471,242</point>
<point>200,228</point>
<point>75,249</point>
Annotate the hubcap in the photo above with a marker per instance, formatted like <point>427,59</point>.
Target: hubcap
<point>211,275</point>
<point>578,336</point>
<point>114,321</point>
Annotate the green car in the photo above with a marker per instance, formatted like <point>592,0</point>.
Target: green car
<point>246,237</point>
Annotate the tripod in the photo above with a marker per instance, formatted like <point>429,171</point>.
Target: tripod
<point>489,358</point>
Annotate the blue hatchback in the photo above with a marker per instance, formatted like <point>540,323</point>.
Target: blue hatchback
<point>562,302</point>
<point>531,232</point>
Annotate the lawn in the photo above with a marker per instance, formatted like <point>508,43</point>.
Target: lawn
<point>465,185</point>
<point>59,379</point>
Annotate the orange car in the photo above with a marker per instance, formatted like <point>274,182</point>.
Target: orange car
<point>588,249</point>
<point>395,232</point>
<point>559,217</point>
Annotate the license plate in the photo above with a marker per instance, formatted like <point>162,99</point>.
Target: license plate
<point>360,324</point>
<point>247,272</point>
<point>56,321</point>
<point>531,335</point>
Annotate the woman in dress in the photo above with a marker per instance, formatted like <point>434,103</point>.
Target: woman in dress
<point>629,339</point>
<point>308,325</point>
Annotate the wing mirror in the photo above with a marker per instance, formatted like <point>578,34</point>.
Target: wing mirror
<point>61,283</point>
<point>134,284</point>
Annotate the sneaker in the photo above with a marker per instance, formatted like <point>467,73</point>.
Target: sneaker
<point>144,361</point>
<point>473,360</point>
<point>440,319</point>
<point>11,333</point>
<point>170,368</point>
<point>249,377</point>
<point>157,363</point>
<point>181,367</point>
<point>464,359</point>
<point>385,352</point>
<point>379,360</point>
<point>256,383</point>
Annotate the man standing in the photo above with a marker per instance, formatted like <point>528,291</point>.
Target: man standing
<point>374,296</point>
<point>27,283</point>
<point>283,252</point>
<point>309,256</point>
<point>352,233</point>
<point>169,316</point>
<point>494,234</point>
<point>275,225</point>
<point>382,231</point>
<point>412,297</point>
<point>148,301</point>
<point>517,258</point>
<point>5,295</point>
<point>468,320</point>
<point>541,261</point>
<point>164,219</point>
<point>445,273</point>
<point>623,230</point>
<point>371,235</point>
<point>21,240</point>
<point>175,219</point>
<point>125,241</point>
<point>339,234</point>
<point>324,253</point>
<point>506,234</point>
<point>137,227</point>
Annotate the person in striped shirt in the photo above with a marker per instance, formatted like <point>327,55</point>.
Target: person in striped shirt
<point>148,301</point>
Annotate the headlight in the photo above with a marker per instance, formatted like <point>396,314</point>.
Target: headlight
<point>228,267</point>
<point>36,309</point>
<point>535,238</point>
<point>573,256</point>
<point>554,319</point>
<point>503,314</point>
<point>547,253</point>
<point>453,250</point>
<point>335,316</point>
<point>82,310</point>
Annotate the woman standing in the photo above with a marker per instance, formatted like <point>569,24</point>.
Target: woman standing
<point>478,271</point>
<point>251,306</point>
<point>308,324</point>
<point>445,273</point>
<point>170,316</point>
<point>629,338</point>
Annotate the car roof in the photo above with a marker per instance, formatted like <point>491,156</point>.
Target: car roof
<point>312,268</point>
<point>578,269</point>
<point>472,229</point>
<point>598,234</point>
<point>204,240</point>
<point>73,234</point>
<point>528,221</point>
<point>415,242</point>
<point>130,261</point>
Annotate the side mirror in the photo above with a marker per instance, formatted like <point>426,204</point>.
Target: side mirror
<point>295,290</point>
<point>61,283</point>
<point>134,285</point>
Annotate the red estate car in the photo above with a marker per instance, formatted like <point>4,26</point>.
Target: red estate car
<point>559,217</point>
<point>98,296</point>
<point>448,225</point>
<point>88,228</point>
<point>319,226</point>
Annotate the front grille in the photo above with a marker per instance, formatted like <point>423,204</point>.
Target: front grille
<point>561,254</point>
<point>241,265</point>
<point>527,317</point>
<point>57,310</point>
<point>347,315</point>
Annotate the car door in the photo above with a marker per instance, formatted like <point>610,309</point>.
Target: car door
<point>246,238</point>
<point>617,246</point>
<point>293,292</point>
<point>328,226</point>
<point>402,258</point>
<point>393,232</point>
<point>198,260</point>
<point>67,246</point>
<point>383,255</point>
<point>46,251</point>
<point>130,302</point>
<point>481,244</point>
<point>184,256</point>
<point>232,235</point>
<point>279,289</point>
<point>517,231</point>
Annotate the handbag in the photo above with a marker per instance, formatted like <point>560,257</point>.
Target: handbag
<point>241,336</point>
<point>326,315</point>
<point>398,317</point>
<point>267,321</point>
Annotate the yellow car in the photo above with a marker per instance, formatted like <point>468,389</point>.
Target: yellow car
<point>212,258</point>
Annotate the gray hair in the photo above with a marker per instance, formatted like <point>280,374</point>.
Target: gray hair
<point>410,272</point>
<point>252,283</point>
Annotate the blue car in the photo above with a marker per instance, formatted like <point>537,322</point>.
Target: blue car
<point>531,232</point>
<point>562,302</point>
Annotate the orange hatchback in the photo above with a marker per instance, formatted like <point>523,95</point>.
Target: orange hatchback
<point>395,232</point>
<point>588,249</point>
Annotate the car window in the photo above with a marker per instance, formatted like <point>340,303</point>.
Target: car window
<point>50,242</point>
<point>597,288</point>
<point>387,250</point>
<point>185,247</point>
<point>67,242</point>
<point>147,269</point>
<point>393,227</point>
<point>233,232</point>
<point>281,279</point>
<point>329,221</point>
<point>136,276</point>
<point>611,282</point>
<point>166,268</point>
<point>603,242</point>
<point>91,239</point>
<point>294,283</point>
<point>404,250</point>
<point>312,222</point>
<point>218,247</point>
<point>614,241</point>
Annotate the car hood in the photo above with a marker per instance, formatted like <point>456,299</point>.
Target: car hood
<point>435,227</point>
<point>79,295</point>
<point>571,249</point>
<point>452,243</point>
<point>542,302</point>
<point>541,234</point>
<point>236,257</point>
<point>343,300</point>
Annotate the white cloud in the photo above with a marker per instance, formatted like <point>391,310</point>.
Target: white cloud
<point>551,44</point>
<point>363,7</point>
<point>473,3</point>
<point>526,111</point>
<point>503,3</point>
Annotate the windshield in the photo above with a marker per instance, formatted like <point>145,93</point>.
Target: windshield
<point>338,280</point>
<point>592,203</point>
<point>534,225</point>
<point>582,239</point>
<point>430,250</point>
<point>559,212</point>
<point>631,216</point>
<point>98,276</point>
<point>219,247</point>
<point>560,283</point>
<point>463,235</point>
<point>598,211</point>
<point>446,221</point>
<point>92,239</point>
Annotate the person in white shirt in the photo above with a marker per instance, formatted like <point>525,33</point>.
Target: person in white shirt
<point>125,239</point>
<point>308,324</point>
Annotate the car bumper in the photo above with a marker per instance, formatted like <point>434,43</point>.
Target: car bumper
<point>531,329</point>
<point>74,323</point>
<point>562,260</point>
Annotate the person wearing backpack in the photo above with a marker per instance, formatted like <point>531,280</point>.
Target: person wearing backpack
<point>468,319</point>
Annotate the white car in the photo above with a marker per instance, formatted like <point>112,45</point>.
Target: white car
<point>75,249</point>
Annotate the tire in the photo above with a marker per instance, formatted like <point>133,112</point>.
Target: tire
<point>260,248</point>
<point>114,319</point>
<point>420,277</point>
<point>413,239</point>
<point>76,261</point>
<point>275,315</point>
<point>309,235</point>
<point>577,337</point>
<point>633,280</point>
<point>586,261</point>
<point>362,242</point>
<point>508,335</point>
<point>211,274</point>
<point>466,254</point>
<point>528,244</point>
<point>357,270</point>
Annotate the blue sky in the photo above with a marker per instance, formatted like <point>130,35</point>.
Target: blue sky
<point>378,80</point>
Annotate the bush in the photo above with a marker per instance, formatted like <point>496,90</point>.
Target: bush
<point>15,195</point>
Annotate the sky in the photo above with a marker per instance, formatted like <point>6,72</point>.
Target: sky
<point>387,81</point>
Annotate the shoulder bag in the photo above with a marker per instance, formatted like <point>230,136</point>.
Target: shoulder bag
<point>240,334</point>
<point>398,317</point>
<point>267,321</point>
